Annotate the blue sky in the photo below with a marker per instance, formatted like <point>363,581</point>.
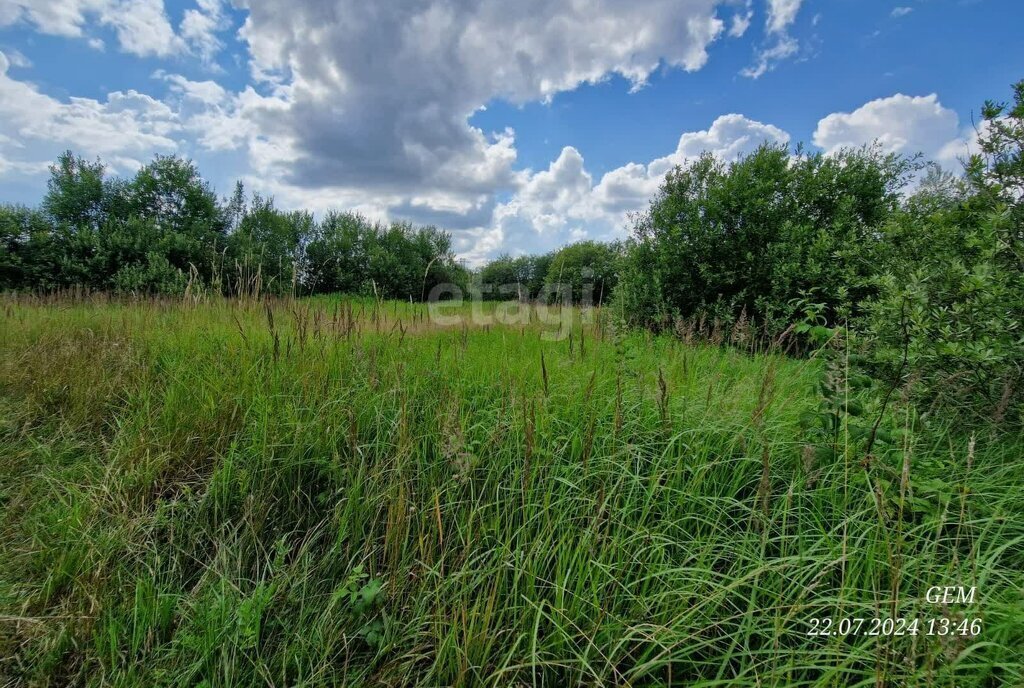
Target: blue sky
<point>517,126</point>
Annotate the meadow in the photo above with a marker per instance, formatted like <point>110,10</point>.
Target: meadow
<point>329,491</point>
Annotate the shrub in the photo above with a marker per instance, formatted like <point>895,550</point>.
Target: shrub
<point>750,237</point>
<point>948,317</point>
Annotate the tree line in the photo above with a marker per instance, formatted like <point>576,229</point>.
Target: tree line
<point>583,272</point>
<point>164,231</point>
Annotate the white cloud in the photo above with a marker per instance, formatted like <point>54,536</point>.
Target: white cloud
<point>898,12</point>
<point>901,124</point>
<point>780,45</point>
<point>126,126</point>
<point>15,58</point>
<point>767,59</point>
<point>206,92</point>
<point>20,168</point>
<point>142,26</point>
<point>741,20</point>
<point>200,26</point>
<point>729,137</point>
<point>378,95</point>
<point>740,24</point>
<point>782,13</point>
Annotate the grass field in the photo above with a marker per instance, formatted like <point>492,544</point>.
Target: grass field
<point>331,492</point>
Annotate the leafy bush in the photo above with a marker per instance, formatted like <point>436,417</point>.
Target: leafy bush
<point>949,318</point>
<point>26,244</point>
<point>154,275</point>
<point>750,237</point>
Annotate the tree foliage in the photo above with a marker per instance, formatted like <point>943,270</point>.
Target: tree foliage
<point>755,236</point>
<point>586,271</point>
<point>348,253</point>
<point>948,319</point>
<point>164,229</point>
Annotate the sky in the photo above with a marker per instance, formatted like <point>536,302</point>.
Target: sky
<point>517,126</point>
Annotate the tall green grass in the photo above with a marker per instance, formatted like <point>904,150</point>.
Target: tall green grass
<point>332,492</point>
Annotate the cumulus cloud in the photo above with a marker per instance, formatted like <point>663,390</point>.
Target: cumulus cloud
<point>124,127</point>
<point>379,94</point>
<point>728,138</point>
<point>898,12</point>
<point>208,93</point>
<point>901,124</point>
<point>141,26</point>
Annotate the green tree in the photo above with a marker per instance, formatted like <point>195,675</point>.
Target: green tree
<point>348,253</point>
<point>271,241</point>
<point>588,269</point>
<point>755,236</point>
<point>170,192</point>
<point>336,257</point>
<point>27,249</point>
<point>948,322</point>
<point>504,278</point>
<point>76,194</point>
